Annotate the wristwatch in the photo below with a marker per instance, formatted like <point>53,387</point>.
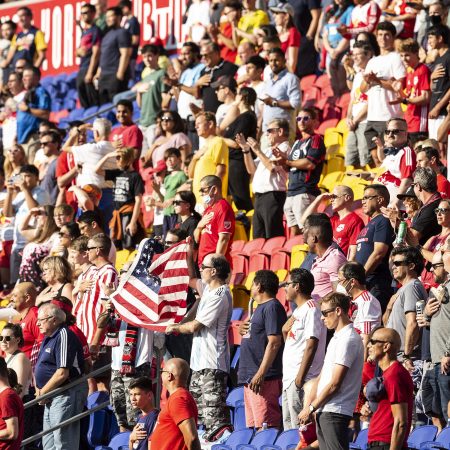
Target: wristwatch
<point>275,103</point>
<point>311,408</point>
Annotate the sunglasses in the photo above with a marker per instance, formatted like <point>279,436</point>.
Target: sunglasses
<point>272,130</point>
<point>303,119</point>
<point>166,119</point>
<point>5,338</point>
<point>436,265</point>
<point>204,190</point>
<point>377,341</point>
<point>203,267</point>
<point>325,312</point>
<point>368,197</point>
<point>400,263</point>
<point>394,131</point>
<point>178,202</point>
<point>441,210</point>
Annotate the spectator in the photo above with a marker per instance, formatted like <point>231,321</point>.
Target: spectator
<point>8,30</point>
<point>397,158</point>
<point>215,231</point>
<point>212,158</point>
<point>28,43</point>
<point>318,234</point>
<point>15,158</point>
<point>12,412</point>
<point>269,179</point>
<point>260,364</point>
<point>424,224</point>
<point>384,75</point>
<point>346,224</point>
<point>34,108</point>
<point>30,196</point>
<point>210,356</point>
<point>304,163</point>
<point>214,68</point>
<point>132,25</point>
<point>128,134</point>
<point>184,206</point>
<point>282,96</point>
<point>342,367</point>
<point>365,17</point>
<point>100,19</point>
<point>250,22</point>
<point>126,229</point>
<point>401,310</point>
<point>67,234</point>
<point>365,308</point>
<point>246,50</point>
<point>197,20</point>
<point>51,144</point>
<point>391,422</point>
<point>429,157</point>
<point>60,361</point>
<point>227,111</point>
<point>141,397</point>
<point>254,70</point>
<point>374,243</point>
<point>177,421</point>
<point>57,274</point>
<point>86,158</point>
<point>89,54</point>
<point>113,71</point>
<point>305,337</point>
<point>357,154</point>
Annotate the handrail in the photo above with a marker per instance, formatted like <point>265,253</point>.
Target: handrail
<point>65,423</point>
<point>64,388</point>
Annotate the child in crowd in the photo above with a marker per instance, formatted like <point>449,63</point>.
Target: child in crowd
<point>141,397</point>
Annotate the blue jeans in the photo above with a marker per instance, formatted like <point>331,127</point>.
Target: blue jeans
<point>60,408</point>
<point>441,387</point>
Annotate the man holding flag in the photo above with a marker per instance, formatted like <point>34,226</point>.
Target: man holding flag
<point>210,357</point>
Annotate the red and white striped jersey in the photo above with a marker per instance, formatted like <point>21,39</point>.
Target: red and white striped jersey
<point>367,313</point>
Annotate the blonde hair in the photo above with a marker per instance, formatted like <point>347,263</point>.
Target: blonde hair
<point>7,165</point>
<point>60,267</point>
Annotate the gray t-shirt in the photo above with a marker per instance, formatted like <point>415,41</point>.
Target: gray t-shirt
<point>440,329</point>
<point>405,303</point>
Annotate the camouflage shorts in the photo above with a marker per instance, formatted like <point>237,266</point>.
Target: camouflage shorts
<point>209,389</point>
<point>120,399</point>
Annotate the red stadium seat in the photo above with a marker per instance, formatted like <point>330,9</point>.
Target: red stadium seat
<point>280,260</point>
<point>307,82</point>
<point>270,245</point>
<point>323,82</point>
<point>311,96</point>
<point>330,123</point>
<point>344,101</point>
<point>249,246</point>
<point>237,246</point>
<point>257,262</point>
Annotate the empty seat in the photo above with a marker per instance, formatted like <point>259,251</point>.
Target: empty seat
<point>360,441</point>
<point>421,434</point>
<point>307,82</point>
<point>234,439</point>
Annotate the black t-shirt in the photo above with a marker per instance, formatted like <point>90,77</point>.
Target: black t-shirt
<point>440,86</point>
<point>267,320</point>
<point>126,186</point>
<point>190,224</point>
<point>208,94</point>
<point>379,229</point>
<point>305,181</point>
<point>425,221</point>
<point>114,40</point>
<point>302,14</point>
<point>133,27</point>
<point>246,124</point>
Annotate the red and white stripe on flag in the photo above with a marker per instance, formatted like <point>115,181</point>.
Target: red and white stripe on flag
<point>153,295</point>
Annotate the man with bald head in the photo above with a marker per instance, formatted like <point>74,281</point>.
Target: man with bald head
<point>23,298</point>
<point>391,422</point>
<point>346,223</point>
<point>176,428</point>
<point>210,355</point>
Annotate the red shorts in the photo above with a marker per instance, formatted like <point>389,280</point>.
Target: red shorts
<point>5,254</point>
<point>263,407</point>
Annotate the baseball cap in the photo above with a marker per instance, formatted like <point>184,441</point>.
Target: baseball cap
<point>156,41</point>
<point>225,81</point>
<point>160,166</point>
<point>283,8</point>
<point>408,194</point>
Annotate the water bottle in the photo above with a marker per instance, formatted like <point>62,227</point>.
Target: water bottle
<point>264,426</point>
<point>401,234</point>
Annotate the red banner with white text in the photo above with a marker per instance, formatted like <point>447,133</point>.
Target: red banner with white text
<point>58,20</point>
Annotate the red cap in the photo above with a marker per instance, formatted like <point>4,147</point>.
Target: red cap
<point>160,166</point>
<point>156,41</point>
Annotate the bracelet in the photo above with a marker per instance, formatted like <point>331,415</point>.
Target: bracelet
<point>245,153</point>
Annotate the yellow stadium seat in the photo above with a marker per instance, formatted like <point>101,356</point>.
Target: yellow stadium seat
<point>239,232</point>
<point>121,258</point>
<point>250,218</point>
<point>330,180</point>
<point>335,163</point>
<point>332,138</point>
<point>240,297</point>
<point>342,127</point>
<point>281,274</point>
<point>298,255</point>
<point>357,184</point>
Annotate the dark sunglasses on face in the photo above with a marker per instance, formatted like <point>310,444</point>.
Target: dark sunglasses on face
<point>441,210</point>
<point>5,338</point>
<point>325,312</point>
<point>177,202</point>
<point>303,119</point>
<point>394,131</point>
<point>400,263</point>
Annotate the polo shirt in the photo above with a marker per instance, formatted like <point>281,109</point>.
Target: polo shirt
<point>425,221</point>
<point>114,40</point>
<point>60,350</point>
<point>188,78</point>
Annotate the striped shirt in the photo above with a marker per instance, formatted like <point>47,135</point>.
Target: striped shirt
<point>367,314</point>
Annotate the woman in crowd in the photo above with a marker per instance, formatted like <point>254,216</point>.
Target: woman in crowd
<point>57,274</point>
<point>11,340</point>
<point>67,234</point>
<point>14,160</point>
<point>41,239</point>
<point>188,218</point>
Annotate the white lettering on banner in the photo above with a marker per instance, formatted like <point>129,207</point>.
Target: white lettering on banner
<point>45,28</point>
<point>56,37</point>
<point>69,22</point>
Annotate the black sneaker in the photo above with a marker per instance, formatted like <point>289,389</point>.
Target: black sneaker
<point>217,433</point>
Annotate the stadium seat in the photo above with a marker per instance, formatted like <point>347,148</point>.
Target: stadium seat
<point>284,440</point>
<point>280,260</point>
<point>249,246</point>
<point>360,441</point>
<point>237,245</point>
<point>237,394</point>
<point>330,180</point>
<point>264,437</point>
<point>240,234</point>
<point>298,255</point>
<point>442,441</point>
<point>121,258</point>
<point>421,434</point>
<point>343,101</point>
<point>311,96</point>
<point>327,123</point>
<point>323,81</point>
<point>307,82</point>
<point>237,437</point>
<point>271,244</point>
<point>332,138</point>
<point>118,441</point>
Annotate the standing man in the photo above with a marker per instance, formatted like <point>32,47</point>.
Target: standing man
<point>338,385</point>
<point>60,362</point>
<point>131,24</point>
<point>374,243</point>
<point>304,349</point>
<point>401,311</point>
<point>304,164</point>
<point>210,355</point>
<point>390,424</point>
<point>51,145</point>
<point>214,233</point>
<point>269,179</point>
<point>260,365</point>
<point>89,54</point>
<point>282,96</point>
<point>176,428</point>
<point>114,72</point>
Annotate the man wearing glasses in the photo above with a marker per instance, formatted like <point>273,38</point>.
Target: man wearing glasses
<point>391,422</point>
<point>338,384</point>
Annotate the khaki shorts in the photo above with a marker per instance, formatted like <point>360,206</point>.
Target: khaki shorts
<point>295,206</point>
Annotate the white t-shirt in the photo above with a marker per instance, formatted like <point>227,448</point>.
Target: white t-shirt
<point>89,155</point>
<point>222,112</point>
<point>385,67</point>
<point>198,19</point>
<point>307,324</point>
<point>367,315</point>
<point>345,349</point>
<point>359,99</point>
<point>210,348</point>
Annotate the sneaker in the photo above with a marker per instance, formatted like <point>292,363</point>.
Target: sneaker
<point>217,433</point>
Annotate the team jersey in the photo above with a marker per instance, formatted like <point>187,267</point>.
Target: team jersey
<point>366,313</point>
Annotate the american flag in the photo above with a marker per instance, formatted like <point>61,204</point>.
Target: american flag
<point>153,295</point>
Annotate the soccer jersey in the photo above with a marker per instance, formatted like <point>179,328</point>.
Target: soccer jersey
<point>346,230</point>
<point>417,81</point>
<point>366,313</point>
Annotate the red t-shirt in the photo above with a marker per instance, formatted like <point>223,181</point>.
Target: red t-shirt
<point>179,407</point>
<point>293,40</point>
<point>223,221</point>
<point>11,406</point>
<point>82,338</point>
<point>399,389</point>
<point>346,230</point>
<point>32,337</point>
<point>417,81</point>
<point>64,163</point>
<point>131,136</point>
<point>443,186</point>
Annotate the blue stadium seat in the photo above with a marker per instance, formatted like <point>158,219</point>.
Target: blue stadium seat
<point>237,313</point>
<point>264,437</point>
<point>237,437</point>
<point>117,442</point>
<point>234,396</point>
<point>425,433</point>
<point>360,441</point>
<point>442,441</point>
<point>235,360</point>
<point>239,416</point>
<point>284,440</point>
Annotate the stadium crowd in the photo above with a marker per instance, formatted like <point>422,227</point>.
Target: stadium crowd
<point>321,124</point>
